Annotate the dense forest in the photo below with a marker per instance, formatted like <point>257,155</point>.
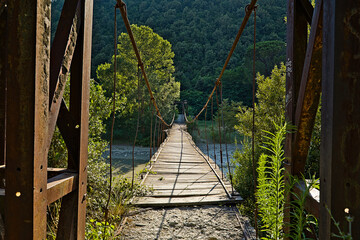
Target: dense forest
<point>201,33</point>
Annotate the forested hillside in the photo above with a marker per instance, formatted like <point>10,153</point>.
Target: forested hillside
<point>201,33</point>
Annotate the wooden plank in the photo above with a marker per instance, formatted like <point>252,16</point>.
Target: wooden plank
<point>190,201</point>
<point>178,172</point>
<point>185,186</point>
<point>183,177</point>
<point>187,192</point>
<point>171,177</point>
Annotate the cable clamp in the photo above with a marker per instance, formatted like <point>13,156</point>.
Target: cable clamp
<point>247,8</point>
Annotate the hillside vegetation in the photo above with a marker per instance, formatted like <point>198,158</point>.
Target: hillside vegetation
<point>201,33</point>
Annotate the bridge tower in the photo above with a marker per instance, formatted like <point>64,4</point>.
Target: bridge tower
<point>33,72</point>
<point>326,64</point>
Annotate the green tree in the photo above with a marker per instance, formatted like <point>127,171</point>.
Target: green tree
<point>270,109</point>
<point>270,106</point>
<point>157,58</point>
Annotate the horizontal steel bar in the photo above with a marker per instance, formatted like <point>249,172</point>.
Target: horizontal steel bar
<point>61,185</point>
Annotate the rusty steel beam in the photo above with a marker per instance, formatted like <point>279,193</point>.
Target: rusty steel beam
<point>3,63</point>
<point>308,9</point>
<point>296,49</point>
<point>61,185</point>
<point>68,129</point>
<point>79,112</point>
<point>28,76</point>
<point>62,51</point>
<point>2,6</point>
<point>295,54</point>
<point>309,94</point>
<point>340,140</point>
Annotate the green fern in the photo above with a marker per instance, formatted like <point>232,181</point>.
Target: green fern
<point>270,189</point>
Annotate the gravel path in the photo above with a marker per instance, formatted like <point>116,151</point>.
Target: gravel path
<point>202,222</point>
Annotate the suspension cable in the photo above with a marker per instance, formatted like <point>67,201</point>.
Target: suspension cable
<point>113,121</point>
<point>151,123</point>
<point>154,138</point>
<point>253,119</point>
<point>136,133</point>
<point>225,140</point>
<point>207,142</point>
<point>219,126</point>
<point>250,7</point>
<point>212,127</point>
<point>123,11</point>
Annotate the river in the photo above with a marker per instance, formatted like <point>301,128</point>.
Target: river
<point>122,157</point>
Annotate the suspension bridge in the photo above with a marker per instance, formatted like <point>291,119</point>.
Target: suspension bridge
<point>322,61</point>
<point>180,174</point>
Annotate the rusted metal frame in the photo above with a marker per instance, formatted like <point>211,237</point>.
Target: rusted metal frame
<point>61,185</point>
<point>62,51</point>
<point>340,117</point>
<point>2,6</point>
<point>309,94</point>
<point>72,224</point>
<point>68,129</point>
<point>308,9</point>
<point>51,172</point>
<point>28,76</point>
<point>3,63</point>
<point>297,27</point>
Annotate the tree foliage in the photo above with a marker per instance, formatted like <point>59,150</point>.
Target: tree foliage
<point>157,58</point>
<point>270,106</point>
<point>202,33</point>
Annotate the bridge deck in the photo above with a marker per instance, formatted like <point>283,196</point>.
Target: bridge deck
<point>183,176</point>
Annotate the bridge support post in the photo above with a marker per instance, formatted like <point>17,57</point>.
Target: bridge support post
<point>32,83</point>
<point>3,63</point>
<point>340,152</point>
<point>296,49</point>
<point>27,76</point>
<point>72,223</point>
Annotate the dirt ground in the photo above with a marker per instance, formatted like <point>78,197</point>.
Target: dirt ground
<point>199,222</point>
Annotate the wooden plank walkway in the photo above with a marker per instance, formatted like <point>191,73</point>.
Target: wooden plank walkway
<point>183,175</point>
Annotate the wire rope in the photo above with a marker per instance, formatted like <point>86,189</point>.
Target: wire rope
<point>112,121</point>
